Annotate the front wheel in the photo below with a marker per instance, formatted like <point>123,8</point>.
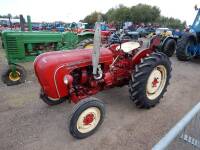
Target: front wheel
<point>86,117</point>
<point>13,75</point>
<point>150,80</point>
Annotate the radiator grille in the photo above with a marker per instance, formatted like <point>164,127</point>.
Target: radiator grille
<point>12,46</point>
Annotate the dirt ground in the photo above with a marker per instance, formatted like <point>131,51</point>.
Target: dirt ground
<point>27,123</point>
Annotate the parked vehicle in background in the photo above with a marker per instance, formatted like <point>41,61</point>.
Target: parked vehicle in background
<point>106,32</point>
<point>59,26</point>
<point>24,46</point>
<point>177,33</point>
<point>38,27</point>
<point>142,32</point>
<point>161,30</point>
<point>168,41</point>
<point>77,27</point>
<point>122,36</point>
<point>189,44</point>
<point>150,30</point>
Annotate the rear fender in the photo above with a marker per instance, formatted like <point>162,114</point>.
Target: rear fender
<point>154,42</point>
<point>141,54</point>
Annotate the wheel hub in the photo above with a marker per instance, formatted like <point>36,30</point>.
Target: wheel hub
<point>88,119</point>
<point>156,82</point>
<point>89,46</point>
<point>14,76</point>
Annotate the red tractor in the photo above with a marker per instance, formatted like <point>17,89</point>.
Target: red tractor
<point>78,74</point>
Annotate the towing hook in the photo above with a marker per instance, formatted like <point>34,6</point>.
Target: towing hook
<point>98,76</point>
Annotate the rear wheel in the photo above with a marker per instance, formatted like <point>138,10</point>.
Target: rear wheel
<point>169,47</point>
<point>150,80</point>
<point>13,75</point>
<point>86,118</point>
<point>183,52</point>
<point>86,44</point>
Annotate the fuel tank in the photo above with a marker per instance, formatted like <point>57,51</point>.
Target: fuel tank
<point>51,67</point>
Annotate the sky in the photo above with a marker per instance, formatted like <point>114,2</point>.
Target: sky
<point>75,10</point>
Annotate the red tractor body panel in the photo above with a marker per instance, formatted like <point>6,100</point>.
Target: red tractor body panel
<point>70,73</point>
<point>51,67</point>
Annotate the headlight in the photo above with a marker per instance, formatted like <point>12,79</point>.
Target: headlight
<point>66,81</point>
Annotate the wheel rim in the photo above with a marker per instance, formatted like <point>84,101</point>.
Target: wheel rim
<point>88,119</point>
<point>156,82</point>
<point>14,76</point>
<point>89,46</point>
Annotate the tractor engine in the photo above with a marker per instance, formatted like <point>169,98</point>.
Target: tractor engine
<point>116,74</point>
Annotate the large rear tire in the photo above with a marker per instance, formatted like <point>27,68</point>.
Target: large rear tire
<point>150,80</point>
<point>182,47</point>
<point>86,117</point>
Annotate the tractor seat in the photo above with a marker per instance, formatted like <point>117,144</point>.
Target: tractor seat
<point>128,46</point>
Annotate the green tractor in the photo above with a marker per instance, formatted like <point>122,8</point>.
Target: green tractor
<point>24,46</point>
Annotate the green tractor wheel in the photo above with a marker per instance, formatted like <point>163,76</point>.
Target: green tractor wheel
<point>14,75</point>
<point>86,44</point>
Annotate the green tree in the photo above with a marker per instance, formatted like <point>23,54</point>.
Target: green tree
<point>144,13</point>
<point>9,16</point>
<point>93,17</point>
<point>171,22</point>
<point>141,13</point>
<point>118,15</point>
<point>16,17</point>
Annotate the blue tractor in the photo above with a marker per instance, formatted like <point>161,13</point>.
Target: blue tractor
<point>188,46</point>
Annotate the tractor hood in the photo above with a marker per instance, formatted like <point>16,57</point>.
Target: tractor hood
<point>51,67</point>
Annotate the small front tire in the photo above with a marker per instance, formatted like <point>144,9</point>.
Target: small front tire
<point>86,117</point>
